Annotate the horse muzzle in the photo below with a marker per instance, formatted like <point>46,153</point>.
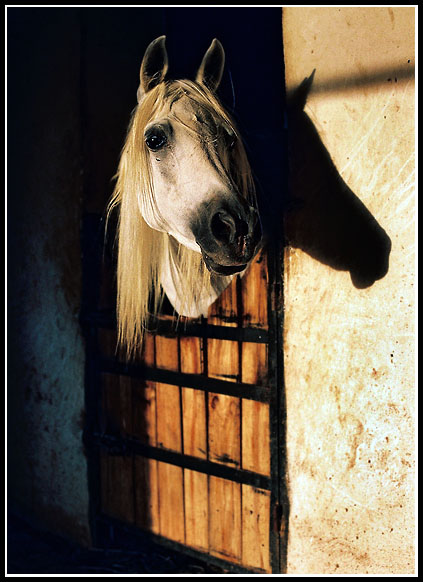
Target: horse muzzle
<point>228,238</point>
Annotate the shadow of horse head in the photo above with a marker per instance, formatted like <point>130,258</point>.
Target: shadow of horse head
<point>323,217</point>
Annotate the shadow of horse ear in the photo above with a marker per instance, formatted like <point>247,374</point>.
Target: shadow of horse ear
<point>323,217</point>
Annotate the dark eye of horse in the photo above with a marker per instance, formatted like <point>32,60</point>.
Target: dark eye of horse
<point>155,139</point>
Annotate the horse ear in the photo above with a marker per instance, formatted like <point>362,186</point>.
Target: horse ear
<point>153,67</point>
<point>211,68</point>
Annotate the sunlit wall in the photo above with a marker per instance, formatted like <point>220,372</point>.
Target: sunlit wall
<point>349,291</point>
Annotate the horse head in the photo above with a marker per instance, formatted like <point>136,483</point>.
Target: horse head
<point>192,147</point>
<point>188,212</point>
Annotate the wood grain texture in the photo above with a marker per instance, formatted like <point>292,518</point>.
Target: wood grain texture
<point>254,293</point>
<point>196,509</point>
<point>224,429</point>
<point>171,501</point>
<point>146,494</point>
<point>225,518</point>
<point>255,437</point>
<point>255,527</point>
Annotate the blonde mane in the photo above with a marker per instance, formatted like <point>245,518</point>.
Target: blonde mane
<point>145,255</point>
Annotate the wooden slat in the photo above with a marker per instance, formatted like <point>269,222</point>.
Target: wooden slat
<point>195,444</point>
<point>254,293</point>
<point>225,518</point>
<point>117,493</point>
<point>168,417</point>
<point>255,527</point>
<point>254,364</point>
<point>166,350</point>
<point>223,363</point>
<point>255,415</point>
<point>196,509</point>
<point>255,437</point>
<point>169,435</point>
<point>224,310</point>
<point>224,429</point>
<point>171,502</point>
<point>144,424</point>
<point>193,401</point>
<point>117,404</point>
<point>168,397</point>
<point>149,350</point>
<point>223,360</point>
<point>146,494</point>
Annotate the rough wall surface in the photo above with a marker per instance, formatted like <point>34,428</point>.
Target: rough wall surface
<point>349,276</point>
<point>47,475</point>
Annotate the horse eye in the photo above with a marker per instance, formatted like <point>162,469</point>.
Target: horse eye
<point>155,140</point>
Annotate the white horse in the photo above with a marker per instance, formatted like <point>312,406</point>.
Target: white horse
<point>188,216</point>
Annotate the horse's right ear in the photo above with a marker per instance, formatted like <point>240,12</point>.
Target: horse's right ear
<point>153,67</point>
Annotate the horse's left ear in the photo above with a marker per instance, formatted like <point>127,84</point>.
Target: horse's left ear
<point>153,67</point>
<point>211,68</point>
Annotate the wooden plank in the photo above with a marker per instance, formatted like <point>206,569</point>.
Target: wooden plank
<point>146,494</point>
<point>254,364</point>
<point>196,509</point>
<point>223,363</point>
<point>117,404</point>
<point>224,442</point>
<point>193,401</point>
<point>168,417</point>
<point>147,509</point>
<point>144,425</point>
<point>254,293</point>
<point>194,422</point>
<point>255,415</point>
<point>117,492</point>
<point>225,518</point>
<point>169,435</point>
<point>171,502</point>
<point>255,528</point>
<point>195,444</point>
<point>191,351</point>
<point>166,350</point>
<point>224,429</point>
<point>255,437</point>
<point>223,359</point>
<point>224,310</point>
<point>149,350</point>
<point>168,398</point>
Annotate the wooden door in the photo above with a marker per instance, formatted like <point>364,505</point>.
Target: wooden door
<point>187,441</point>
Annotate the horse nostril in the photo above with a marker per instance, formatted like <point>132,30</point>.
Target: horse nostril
<point>223,227</point>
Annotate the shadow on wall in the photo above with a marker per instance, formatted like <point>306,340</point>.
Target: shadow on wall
<point>323,217</point>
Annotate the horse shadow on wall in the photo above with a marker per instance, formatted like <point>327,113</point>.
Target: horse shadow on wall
<point>322,216</point>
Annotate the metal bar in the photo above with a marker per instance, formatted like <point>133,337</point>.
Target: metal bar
<point>197,381</point>
<point>125,446</point>
<point>106,319</point>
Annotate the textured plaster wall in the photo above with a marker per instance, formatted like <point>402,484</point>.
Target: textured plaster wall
<point>349,292</point>
<point>47,474</point>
